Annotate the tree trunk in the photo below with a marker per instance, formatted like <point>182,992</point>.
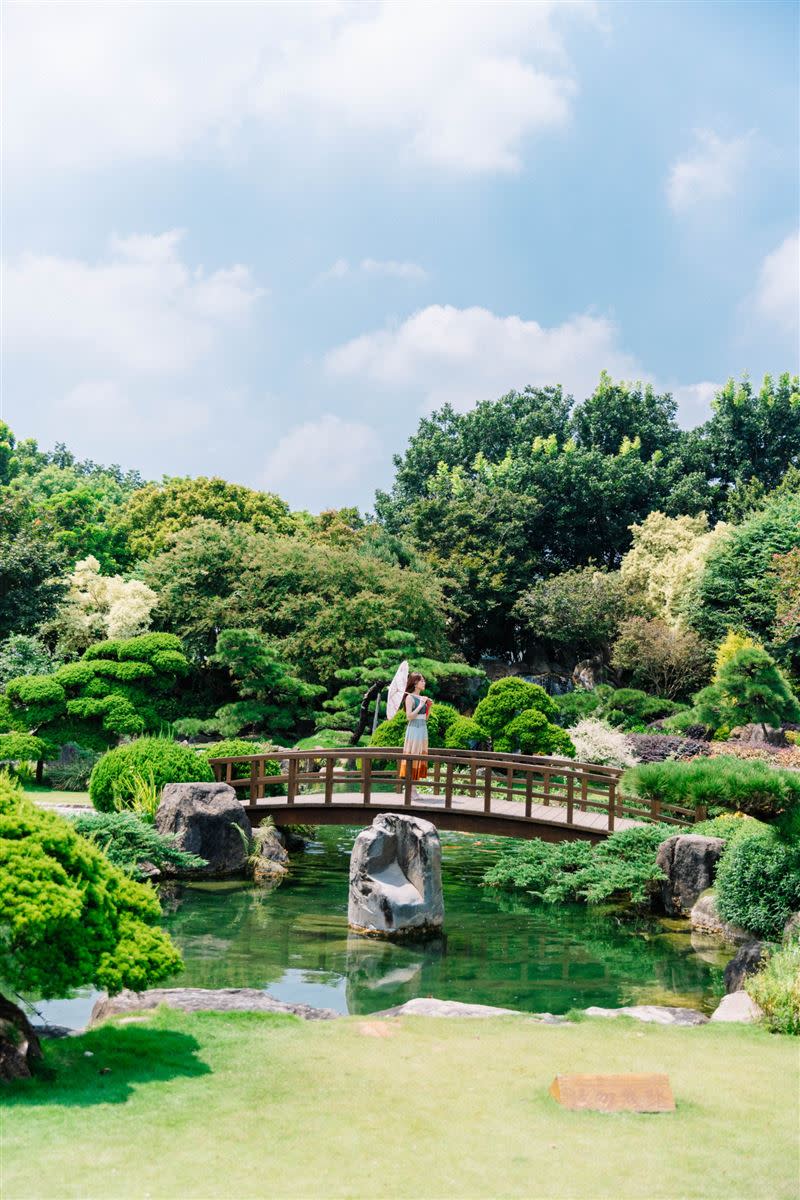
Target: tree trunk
<point>372,691</point>
<point>19,1045</point>
<point>39,770</point>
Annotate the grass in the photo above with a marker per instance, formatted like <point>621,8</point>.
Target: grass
<point>46,795</point>
<point>208,1105</point>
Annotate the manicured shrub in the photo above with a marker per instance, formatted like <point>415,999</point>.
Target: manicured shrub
<point>749,688</point>
<point>390,733</point>
<point>776,988</point>
<point>532,733</point>
<point>623,864</point>
<point>719,783</point>
<point>232,747</point>
<point>440,718</point>
<point>506,699</point>
<point>657,747</point>
<point>466,734</point>
<point>758,882</point>
<point>596,742</point>
<point>70,918</point>
<point>20,747</point>
<point>160,760</point>
<point>630,708</point>
<point>571,707</point>
<point>128,842</point>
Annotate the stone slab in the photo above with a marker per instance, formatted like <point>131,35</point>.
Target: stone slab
<point>614,1093</point>
<point>203,1000</point>
<point>656,1014</point>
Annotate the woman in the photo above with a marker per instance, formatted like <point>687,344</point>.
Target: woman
<point>417,708</point>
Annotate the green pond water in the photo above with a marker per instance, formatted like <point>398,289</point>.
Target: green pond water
<point>499,948</point>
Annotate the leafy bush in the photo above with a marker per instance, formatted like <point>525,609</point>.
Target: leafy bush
<point>687,723</point>
<point>758,882</point>
<point>657,747</point>
<point>325,739</point>
<point>506,699</point>
<point>127,841</point>
<point>776,988</point>
<point>629,708</point>
<point>390,733</point>
<point>70,917</point>
<point>625,863</point>
<point>596,742</point>
<point>440,718</point>
<point>466,734</point>
<point>231,747</point>
<point>720,783</point>
<point>670,661</point>
<point>572,707</point>
<point>114,775</point>
<point>532,733</point>
<point>20,747</point>
<point>72,770</point>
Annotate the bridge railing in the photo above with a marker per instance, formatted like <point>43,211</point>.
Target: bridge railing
<point>494,779</point>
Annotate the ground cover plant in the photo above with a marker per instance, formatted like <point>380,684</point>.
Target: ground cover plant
<point>735,1089</point>
<point>132,844</point>
<point>718,783</point>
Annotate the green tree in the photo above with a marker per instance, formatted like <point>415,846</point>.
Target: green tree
<point>117,687</point>
<point>21,654</point>
<point>506,699</point>
<point>619,411</point>
<point>69,918</point>
<point>755,435</point>
<point>579,610</point>
<point>738,588</point>
<point>749,688</point>
<point>273,699</point>
<point>31,567</point>
<point>531,733</point>
<point>158,510</point>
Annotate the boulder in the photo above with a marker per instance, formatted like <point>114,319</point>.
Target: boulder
<point>704,916</point>
<point>689,862</point>
<point>427,1006</point>
<point>791,930</point>
<point>657,1014</point>
<point>755,735</point>
<point>202,1000</point>
<point>271,861</point>
<point>396,878</point>
<point>746,961</point>
<point>206,819</point>
<point>737,1006</point>
<point>19,1043</point>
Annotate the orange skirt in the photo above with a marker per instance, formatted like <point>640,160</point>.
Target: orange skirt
<point>419,770</point>
<point>416,742</point>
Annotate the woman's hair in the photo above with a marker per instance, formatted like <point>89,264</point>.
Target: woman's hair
<point>412,682</point>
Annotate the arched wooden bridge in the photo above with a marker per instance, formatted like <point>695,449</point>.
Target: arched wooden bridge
<point>516,795</point>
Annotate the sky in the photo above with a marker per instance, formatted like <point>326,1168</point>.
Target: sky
<point>261,241</point>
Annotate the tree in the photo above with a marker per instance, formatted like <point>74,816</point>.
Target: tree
<point>755,435</point>
<point>273,700</point>
<point>666,559</point>
<point>69,918</point>
<point>21,654</point>
<point>350,708</point>
<point>100,606</point>
<point>531,733</point>
<point>661,659</point>
<point>580,610</point>
<point>31,566</point>
<point>321,605</point>
<point>116,687</point>
<point>156,511</point>
<point>616,411</point>
<point>749,688</point>
<point>737,587</point>
<point>786,570</point>
<point>506,699</point>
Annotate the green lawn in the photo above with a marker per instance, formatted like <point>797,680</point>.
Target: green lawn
<point>245,1105</point>
<point>43,795</point>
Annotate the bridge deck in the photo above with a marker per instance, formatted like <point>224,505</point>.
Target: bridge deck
<point>466,813</point>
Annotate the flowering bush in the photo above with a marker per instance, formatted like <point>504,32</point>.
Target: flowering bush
<point>596,742</point>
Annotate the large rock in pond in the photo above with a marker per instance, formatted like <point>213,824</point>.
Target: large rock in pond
<point>746,961</point>
<point>396,878</point>
<point>704,916</point>
<point>206,819</point>
<point>689,862</point>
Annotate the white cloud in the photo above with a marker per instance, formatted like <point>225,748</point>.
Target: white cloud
<point>455,86</point>
<point>326,460</point>
<point>382,268</point>
<point>694,402</point>
<point>708,172</point>
<point>141,309</point>
<point>777,296</point>
<point>442,353</point>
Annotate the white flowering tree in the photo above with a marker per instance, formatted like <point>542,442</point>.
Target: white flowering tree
<point>98,606</point>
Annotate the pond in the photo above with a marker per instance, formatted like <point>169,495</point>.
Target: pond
<point>500,948</point>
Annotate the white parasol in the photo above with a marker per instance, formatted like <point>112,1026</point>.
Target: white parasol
<point>397,689</point>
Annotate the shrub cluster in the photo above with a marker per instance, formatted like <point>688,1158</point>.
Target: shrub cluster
<point>128,842</point>
<point>596,742</point>
<point>233,747</point>
<point>758,882</point>
<point>719,783</point>
<point>776,988</point>
<point>654,747</point>
<point>117,775</point>
<point>72,770</point>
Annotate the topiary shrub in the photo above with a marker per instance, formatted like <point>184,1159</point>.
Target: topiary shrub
<point>596,742</point>
<point>724,782</point>
<point>20,747</point>
<point>506,699</point>
<point>630,708</point>
<point>232,747</point>
<point>117,774</point>
<point>440,718</point>
<point>758,882</point>
<point>776,988</point>
<point>390,733</point>
<point>466,734</point>
<point>532,733</point>
<point>571,707</point>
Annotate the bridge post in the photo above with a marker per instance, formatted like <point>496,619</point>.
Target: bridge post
<point>329,780</point>
<point>409,783</point>
<point>291,783</point>
<point>487,789</point>
<point>612,802</point>
<point>448,786</point>
<point>528,792</point>
<point>570,797</point>
<point>366,773</point>
<point>253,780</point>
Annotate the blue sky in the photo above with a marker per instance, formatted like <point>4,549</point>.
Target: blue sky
<point>262,240</point>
